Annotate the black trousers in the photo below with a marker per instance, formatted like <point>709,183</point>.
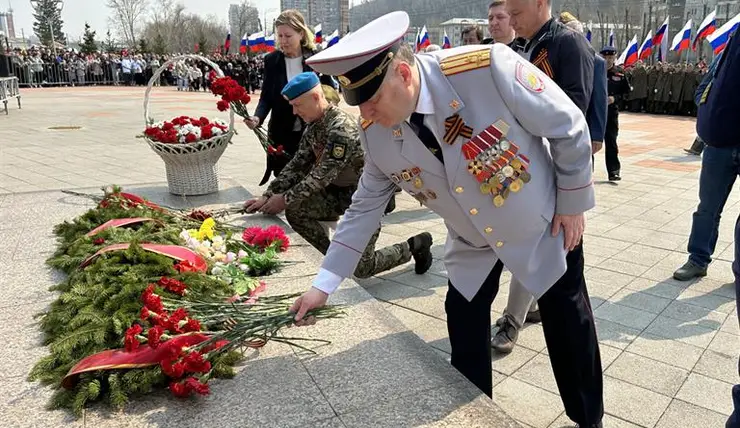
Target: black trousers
<point>570,334</point>
<point>611,149</point>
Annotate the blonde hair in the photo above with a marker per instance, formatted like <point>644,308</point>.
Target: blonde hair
<point>294,19</point>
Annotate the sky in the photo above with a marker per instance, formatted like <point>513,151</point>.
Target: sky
<point>76,12</point>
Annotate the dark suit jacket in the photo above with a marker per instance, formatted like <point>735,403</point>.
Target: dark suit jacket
<point>567,58</point>
<point>597,107</point>
<point>282,119</point>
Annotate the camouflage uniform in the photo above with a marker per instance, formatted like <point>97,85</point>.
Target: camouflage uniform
<point>318,184</point>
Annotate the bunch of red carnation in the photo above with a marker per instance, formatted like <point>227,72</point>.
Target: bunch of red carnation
<point>263,238</point>
<point>232,95</point>
<point>186,266</point>
<point>162,322</point>
<point>185,130</point>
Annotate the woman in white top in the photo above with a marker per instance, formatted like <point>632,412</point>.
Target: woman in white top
<point>295,44</point>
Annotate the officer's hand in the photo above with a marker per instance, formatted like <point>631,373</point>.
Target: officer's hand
<point>253,205</point>
<point>572,225</point>
<point>274,205</point>
<point>611,100</point>
<point>596,146</point>
<point>311,299</point>
<point>252,122</point>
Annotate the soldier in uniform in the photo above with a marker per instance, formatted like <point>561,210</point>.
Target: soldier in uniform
<point>463,131</point>
<point>639,88</point>
<point>618,87</point>
<point>652,80</point>
<point>317,184</point>
<point>689,88</point>
<point>677,78</point>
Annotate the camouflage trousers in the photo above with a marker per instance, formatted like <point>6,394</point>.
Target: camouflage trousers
<point>328,205</point>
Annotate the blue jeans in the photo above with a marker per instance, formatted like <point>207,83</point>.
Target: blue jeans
<point>734,421</point>
<point>719,168</point>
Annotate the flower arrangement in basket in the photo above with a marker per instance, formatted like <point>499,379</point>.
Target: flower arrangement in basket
<point>234,96</point>
<point>190,147</point>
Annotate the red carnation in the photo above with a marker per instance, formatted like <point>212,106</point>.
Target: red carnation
<point>191,325</point>
<point>222,105</point>
<point>206,131</point>
<point>130,342</point>
<point>195,385</point>
<point>190,138</point>
<point>99,241</point>
<point>154,335</point>
<point>195,363</point>
<point>185,266</point>
<point>245,99</point>
<point>152,301</point>
<point>175,370</point>
<point>204,121</point>
<point>144,314</point>
<point>173,285</point>
<point>179,390</point>
<point>167,126</point>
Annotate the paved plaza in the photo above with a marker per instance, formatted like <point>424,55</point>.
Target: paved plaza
<point>669,349</point>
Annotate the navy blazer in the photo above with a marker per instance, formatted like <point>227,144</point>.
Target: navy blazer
<point>597,106</point>
<point>716,121</point>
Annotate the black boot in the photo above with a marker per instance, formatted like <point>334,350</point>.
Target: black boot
<point>614,176</point>
<point>696,148</point>
<point>421,249</point>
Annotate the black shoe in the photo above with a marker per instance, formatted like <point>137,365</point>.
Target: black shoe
<point>692,152</point>
<point>599,425</point>
<point>421,250</point>
<point>505,338</point>
<point>689,271</point>
<point>614,176</point>
<point>533,317</point>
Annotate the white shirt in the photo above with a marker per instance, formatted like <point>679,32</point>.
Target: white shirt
<point>294,67</point>
<point>327,281</point>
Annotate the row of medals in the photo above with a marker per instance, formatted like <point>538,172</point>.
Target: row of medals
<point>508,179</point>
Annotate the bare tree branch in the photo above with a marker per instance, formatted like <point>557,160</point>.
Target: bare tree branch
<point>126,16</point>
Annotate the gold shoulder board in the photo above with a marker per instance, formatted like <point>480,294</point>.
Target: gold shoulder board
<point>364,123</point>
<point>466,61</point>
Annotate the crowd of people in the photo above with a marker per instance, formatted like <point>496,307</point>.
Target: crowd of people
<point>42,67</point>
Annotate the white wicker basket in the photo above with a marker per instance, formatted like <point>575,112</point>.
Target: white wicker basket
<point>191,168</point>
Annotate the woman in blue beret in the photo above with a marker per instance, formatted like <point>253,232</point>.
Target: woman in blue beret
<point>295,44</point>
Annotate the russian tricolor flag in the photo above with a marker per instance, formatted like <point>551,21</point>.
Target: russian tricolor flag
<point>660,41</point>
<point>256,41</point>
<point>333,38</point>
<point>317,34</point>
<point>719,38</point>
<point>630,55</point>
<point>243,45</point>
<point>682,40</point>
<point>424,38</point>
<point>446,41</point>
<point>270,42</point>
<point>227,43</point>
<point>646,49</point>
<point>707,27</point>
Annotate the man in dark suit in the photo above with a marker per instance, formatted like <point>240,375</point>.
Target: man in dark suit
<point>718,112</point>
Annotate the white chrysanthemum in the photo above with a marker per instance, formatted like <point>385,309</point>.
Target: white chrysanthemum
<point>216,131</point>
<point>196,132</point>
<point>217,270</point>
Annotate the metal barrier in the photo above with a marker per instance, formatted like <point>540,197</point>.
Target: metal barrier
<point>72,74</point>
<point>9,89</point>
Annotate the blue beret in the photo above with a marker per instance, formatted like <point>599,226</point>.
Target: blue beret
<point>608,50</point>
<point>300,84</point>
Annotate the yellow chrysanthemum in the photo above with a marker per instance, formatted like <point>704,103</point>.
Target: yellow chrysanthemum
<point>206,229</point>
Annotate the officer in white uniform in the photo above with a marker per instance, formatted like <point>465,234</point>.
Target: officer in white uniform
<point>462,130</point>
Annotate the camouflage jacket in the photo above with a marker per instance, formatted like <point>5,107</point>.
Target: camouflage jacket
<point>329,153</point>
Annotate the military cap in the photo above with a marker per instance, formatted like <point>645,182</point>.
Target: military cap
<point>300,84</point>
<point>608,50</point>
<point>361,59</point>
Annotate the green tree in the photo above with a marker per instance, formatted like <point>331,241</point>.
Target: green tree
<point>202,44</point>
<point>109,45</point>
<point>159,44</point>
<point>143,46</point>
<point>48,22</point>
<point>88,45</point>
